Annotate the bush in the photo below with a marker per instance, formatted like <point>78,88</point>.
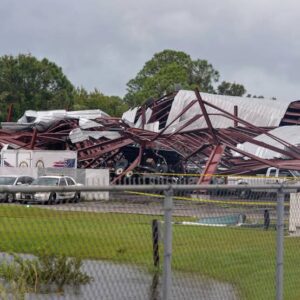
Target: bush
<point>48,271</point>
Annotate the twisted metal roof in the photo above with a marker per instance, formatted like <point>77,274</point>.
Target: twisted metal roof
<point>260,112</point>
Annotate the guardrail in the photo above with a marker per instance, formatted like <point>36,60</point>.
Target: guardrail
<point>158,187</point>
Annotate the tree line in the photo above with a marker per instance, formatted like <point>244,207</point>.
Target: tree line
<point>35,84</point>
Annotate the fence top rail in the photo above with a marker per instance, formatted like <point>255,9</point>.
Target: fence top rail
<point>150,187</point>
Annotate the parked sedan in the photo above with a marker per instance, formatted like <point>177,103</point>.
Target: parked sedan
<point>52,197</point>
<point>11,180</point>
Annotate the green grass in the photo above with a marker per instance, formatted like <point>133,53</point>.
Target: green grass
<point>242,256</point>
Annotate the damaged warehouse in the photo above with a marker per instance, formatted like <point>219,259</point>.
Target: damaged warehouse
<point>182,132</point>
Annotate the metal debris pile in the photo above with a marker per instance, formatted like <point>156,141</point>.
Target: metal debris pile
<point>177,133</point>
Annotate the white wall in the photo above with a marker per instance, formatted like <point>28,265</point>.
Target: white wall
<point>19,171</point>
<point>294,221</point>
<point>98,177</point>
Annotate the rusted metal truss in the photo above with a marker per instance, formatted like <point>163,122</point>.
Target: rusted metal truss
<point>137,149</point>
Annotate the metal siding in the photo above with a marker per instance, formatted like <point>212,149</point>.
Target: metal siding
<point>290,134</point>
<point>260,112</point>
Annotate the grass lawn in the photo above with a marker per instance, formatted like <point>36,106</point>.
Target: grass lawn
<point>244,257</point>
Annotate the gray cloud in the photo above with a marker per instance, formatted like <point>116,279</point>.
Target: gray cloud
<point>103,44</point>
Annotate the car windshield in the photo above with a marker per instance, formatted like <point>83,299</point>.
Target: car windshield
<point>7,180</point>
<point>45,181</point>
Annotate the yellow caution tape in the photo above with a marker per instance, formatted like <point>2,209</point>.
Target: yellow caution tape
<point>231,202</point>
<point>217,175</point>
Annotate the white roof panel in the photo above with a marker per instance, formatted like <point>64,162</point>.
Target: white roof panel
<point>260,112</point>
<point>290,134</point>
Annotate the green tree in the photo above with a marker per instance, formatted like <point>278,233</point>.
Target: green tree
<point>112,105</point>
<point>30,83</point>
<point>158,76</point>
<point>203,76</point>
<point>168,69</point>
<point>231,89</point>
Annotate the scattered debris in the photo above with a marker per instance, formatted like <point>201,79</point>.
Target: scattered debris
<point>220,221</point>
<point>173,134</point>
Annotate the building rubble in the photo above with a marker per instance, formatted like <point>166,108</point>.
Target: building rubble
<point>185,131</point>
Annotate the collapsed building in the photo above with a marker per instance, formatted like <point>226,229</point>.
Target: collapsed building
<point>185,131</point>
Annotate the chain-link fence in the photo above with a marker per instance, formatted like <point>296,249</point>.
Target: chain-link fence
<point>155,238</point>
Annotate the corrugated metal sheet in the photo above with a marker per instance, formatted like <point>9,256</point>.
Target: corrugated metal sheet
<point>148,114</point>
<point>129,115</point>
<point>43,119</point>
<point>78,135</point>
<point>152,126</point>
<point>290,134</point>
<point>260,112</point>
<point>86,124</point>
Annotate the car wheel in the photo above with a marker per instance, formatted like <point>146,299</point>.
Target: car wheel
<point>10,198</point>
<point>76,198</point>
<point>52,199</point>
<point>61,201</point>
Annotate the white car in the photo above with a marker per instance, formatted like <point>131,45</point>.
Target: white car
<point>13,180</point>
<point>52,197</point>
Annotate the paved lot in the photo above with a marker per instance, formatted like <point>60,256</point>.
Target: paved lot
<point>154,206</point>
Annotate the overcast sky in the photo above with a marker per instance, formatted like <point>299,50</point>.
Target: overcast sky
<point>103,44</point>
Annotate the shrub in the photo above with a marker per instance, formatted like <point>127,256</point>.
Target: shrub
<point>47,271</point>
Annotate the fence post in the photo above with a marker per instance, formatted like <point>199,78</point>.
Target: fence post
<point>279,244</point>
<point>155,239</point>
<point>167,275</point>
